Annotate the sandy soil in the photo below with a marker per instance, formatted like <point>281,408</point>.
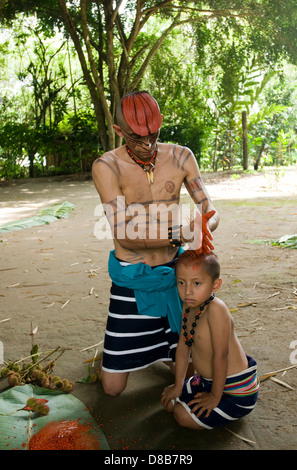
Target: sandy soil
<point>55,277</point>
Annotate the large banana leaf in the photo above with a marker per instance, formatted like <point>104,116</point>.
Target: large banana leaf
<point>16,428</point>
<point>60,211</point>
<point>286,241</point>
<point>47,215</point>
<point>27,223</point>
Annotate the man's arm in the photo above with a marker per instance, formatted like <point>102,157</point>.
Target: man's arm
<point>198,233</point>
<point>197,190</point>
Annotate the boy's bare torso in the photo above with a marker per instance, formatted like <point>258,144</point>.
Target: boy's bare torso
<point>202,347</point>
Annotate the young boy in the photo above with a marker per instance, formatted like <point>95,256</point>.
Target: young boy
<point>226,385</point>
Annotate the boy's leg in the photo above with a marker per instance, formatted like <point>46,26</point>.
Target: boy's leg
<point>184,419</point>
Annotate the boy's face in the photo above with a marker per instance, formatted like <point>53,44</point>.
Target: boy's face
<point>195,285</point>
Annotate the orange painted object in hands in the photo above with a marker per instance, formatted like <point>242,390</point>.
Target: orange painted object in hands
<point>206,245</point>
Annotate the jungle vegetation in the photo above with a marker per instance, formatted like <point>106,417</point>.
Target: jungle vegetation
<point>224,74</point>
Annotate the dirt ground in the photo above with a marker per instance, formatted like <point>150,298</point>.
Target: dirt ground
<point>55,277</point>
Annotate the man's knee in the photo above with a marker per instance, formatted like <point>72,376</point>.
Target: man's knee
<point>114,384</point>
<point>111,390</point>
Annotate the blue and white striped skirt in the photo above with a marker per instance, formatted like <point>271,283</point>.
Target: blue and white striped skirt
<point>133,341</point>
<point>239,397</point>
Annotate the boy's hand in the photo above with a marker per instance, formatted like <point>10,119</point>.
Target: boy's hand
<point>205,401</point>
<point>170,393</point>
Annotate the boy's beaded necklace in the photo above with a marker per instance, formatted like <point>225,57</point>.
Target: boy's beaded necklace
<point>148,167</point>
<point>190,341</point>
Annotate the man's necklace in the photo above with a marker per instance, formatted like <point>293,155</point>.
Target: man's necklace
<point>148,167</point>
<point>190,341</point>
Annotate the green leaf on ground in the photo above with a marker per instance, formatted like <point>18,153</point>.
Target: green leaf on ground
<point>17,426</point>
<point>286,241</point>
<point>43,217</point>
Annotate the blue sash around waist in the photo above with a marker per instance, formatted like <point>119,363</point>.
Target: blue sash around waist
<point>155,288</point>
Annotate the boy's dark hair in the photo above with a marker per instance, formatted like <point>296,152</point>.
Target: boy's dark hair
<point>208,261</point>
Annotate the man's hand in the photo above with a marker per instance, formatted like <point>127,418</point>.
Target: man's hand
<point>201,242</point>
<point>207,246</point>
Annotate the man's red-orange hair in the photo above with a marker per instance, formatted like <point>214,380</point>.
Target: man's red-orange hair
<point>141,112</point>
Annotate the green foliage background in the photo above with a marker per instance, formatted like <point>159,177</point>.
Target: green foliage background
<point>205,63</point>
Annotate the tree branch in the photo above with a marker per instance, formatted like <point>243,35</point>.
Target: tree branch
<point>153,51</point>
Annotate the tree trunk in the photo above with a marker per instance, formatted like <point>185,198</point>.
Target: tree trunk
<point>214,158</point>
<point>256,165</point>
<point>99,113</point>
<point>244,141</point>
<point>31,164</point>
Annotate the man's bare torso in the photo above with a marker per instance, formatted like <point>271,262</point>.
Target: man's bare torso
<point>144,211</point>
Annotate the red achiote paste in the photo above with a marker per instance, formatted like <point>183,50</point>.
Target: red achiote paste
<point>64,435</point>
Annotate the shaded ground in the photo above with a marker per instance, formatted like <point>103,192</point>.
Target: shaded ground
<point>55,276</point>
